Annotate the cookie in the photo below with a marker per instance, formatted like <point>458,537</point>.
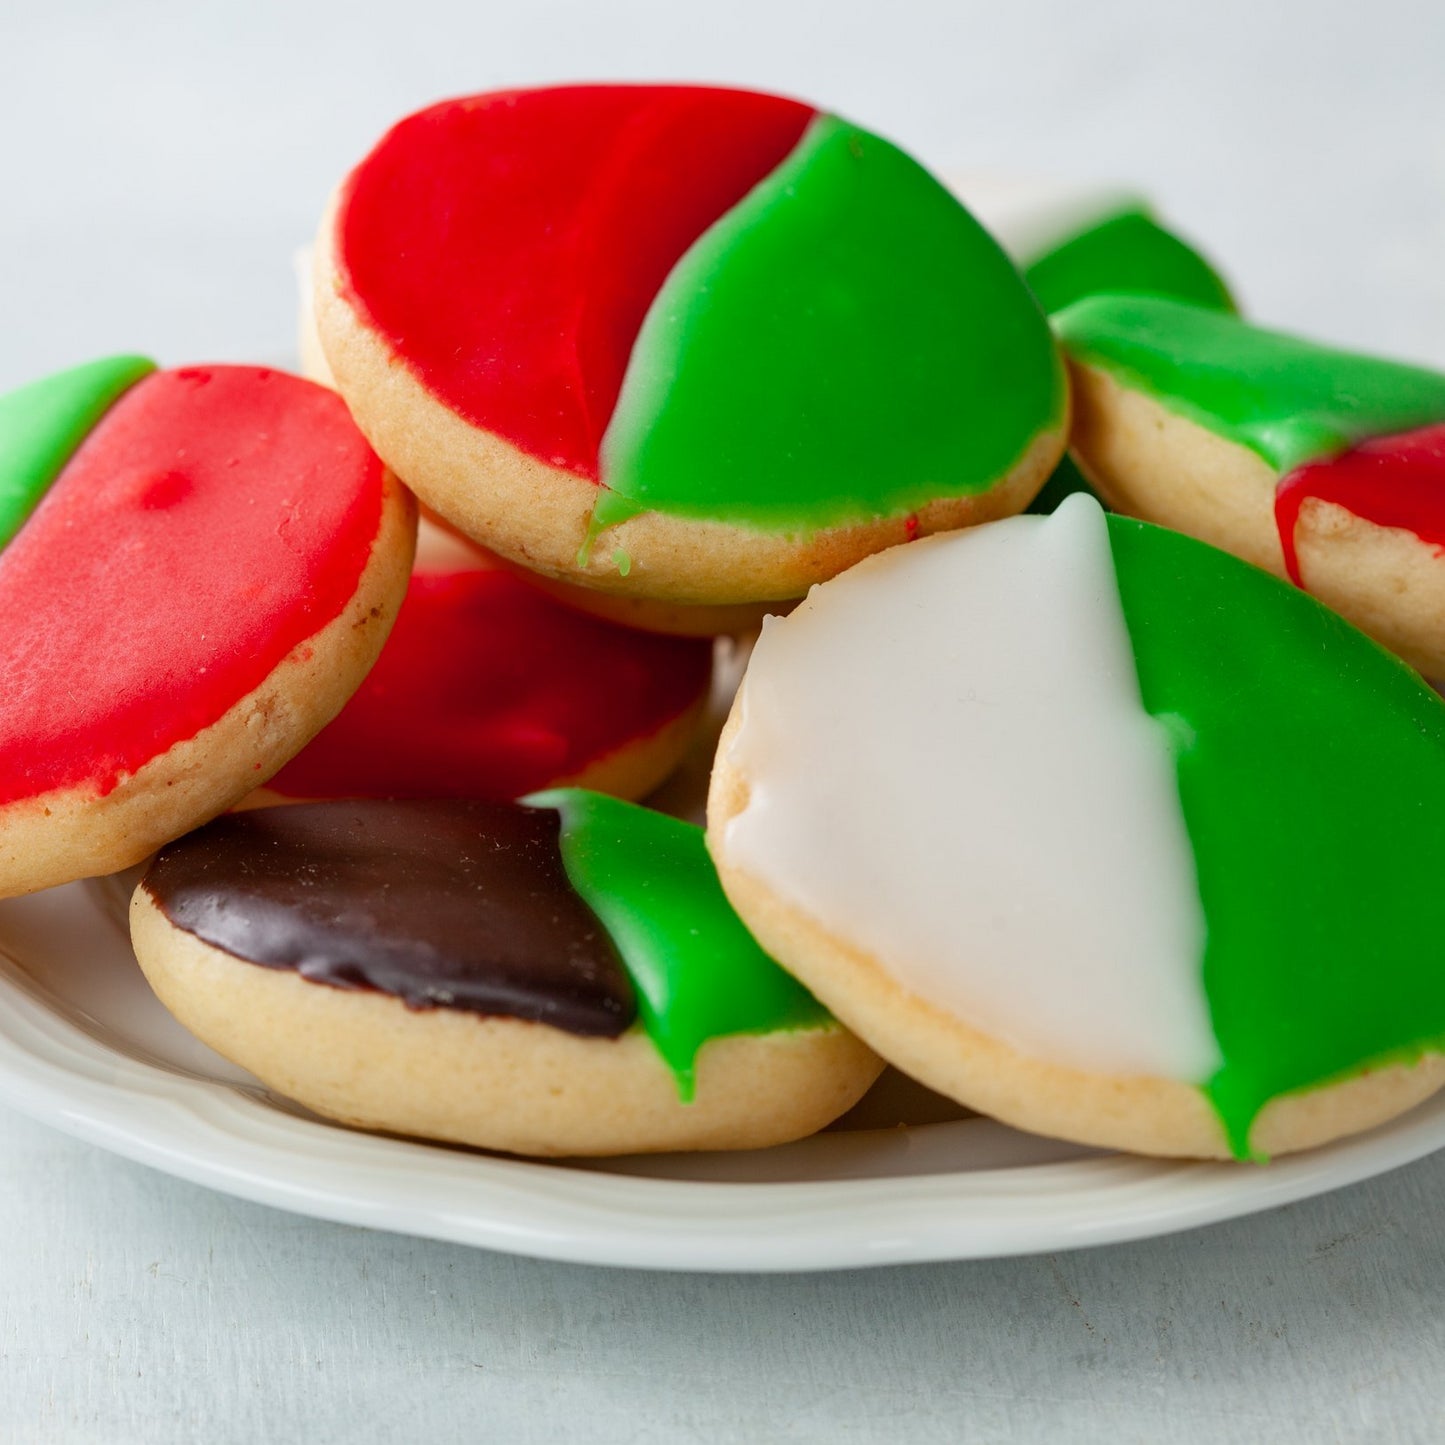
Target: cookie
<point>198,567</point>
<point>559,978</point>
<point>1101,831</point>
<point>487,688</point>
<point>1073,240</point>
<point>1321,465</point>
<point>696,347</point>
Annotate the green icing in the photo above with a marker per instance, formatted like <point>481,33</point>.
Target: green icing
<point>698,972</point>
<point>845,343</point>
<point>1128,251</point>
<point>1311,769</point>
<point>1064,481</point>
<point>1291,401</point>
<point>42,424</point>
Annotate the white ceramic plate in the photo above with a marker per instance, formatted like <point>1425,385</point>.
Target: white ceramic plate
<point>84,1046</point>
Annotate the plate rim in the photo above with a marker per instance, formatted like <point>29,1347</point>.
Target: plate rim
<point>224,1136</point>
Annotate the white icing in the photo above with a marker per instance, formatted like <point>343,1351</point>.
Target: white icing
<point>1029,216</point>
<point>950,765</point>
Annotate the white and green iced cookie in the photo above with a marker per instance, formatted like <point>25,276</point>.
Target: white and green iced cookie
<point>1101,831</point>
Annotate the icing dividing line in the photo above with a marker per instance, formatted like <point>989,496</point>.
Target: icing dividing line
<point>698,972</point>
<point>1320,957</point>
<point>549,219</point>
<point>847,289</point>
<point>574,910</point>
<point>1075,873</point>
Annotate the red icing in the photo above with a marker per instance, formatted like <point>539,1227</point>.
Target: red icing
<point>215,519</point>
<point>1394,481</point>
<point>486,688</point>
<point>507,246</point>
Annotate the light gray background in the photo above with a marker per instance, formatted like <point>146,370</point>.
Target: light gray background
<point>157,166</point>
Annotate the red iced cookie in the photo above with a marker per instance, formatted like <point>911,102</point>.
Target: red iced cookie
<point>198,567</point>
<point>489,689</point>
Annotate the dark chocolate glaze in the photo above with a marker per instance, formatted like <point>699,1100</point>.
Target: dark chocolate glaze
<point>461,905</point>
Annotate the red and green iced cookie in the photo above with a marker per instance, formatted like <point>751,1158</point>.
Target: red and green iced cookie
<point>1321,465</point>
<point>1148,861</point>
<point>197,567</point>
<point>487,688</point>
<point>698,346</point>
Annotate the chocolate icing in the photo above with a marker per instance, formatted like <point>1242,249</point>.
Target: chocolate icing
<point>461,905</point>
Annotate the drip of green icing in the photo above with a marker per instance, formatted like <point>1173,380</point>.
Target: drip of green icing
<point>1128,251</point>
<point>1291,401</point>
<point>698,973</point>
<point>1311,770</point>
<point>845,343</point>
<point>584,552</point>
<point>42,425</point>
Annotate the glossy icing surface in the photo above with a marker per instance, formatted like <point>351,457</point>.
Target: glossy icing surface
<point>548,220</point>
<point>487,688</point>
<point>880,345</point>
<point>697,970</point>
<point>985,807</point>
<point>213,521</point>
<point>1161,834</point>
<point>42,424</point>
<point>1311,771</point>
<point>1396,481</point>
<point>1289,400</point>
<point>461,905</point>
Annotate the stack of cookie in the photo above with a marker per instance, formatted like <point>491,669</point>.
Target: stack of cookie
<point>1074,817</point>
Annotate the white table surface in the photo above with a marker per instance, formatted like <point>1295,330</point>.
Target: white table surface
<point>158,164</point>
